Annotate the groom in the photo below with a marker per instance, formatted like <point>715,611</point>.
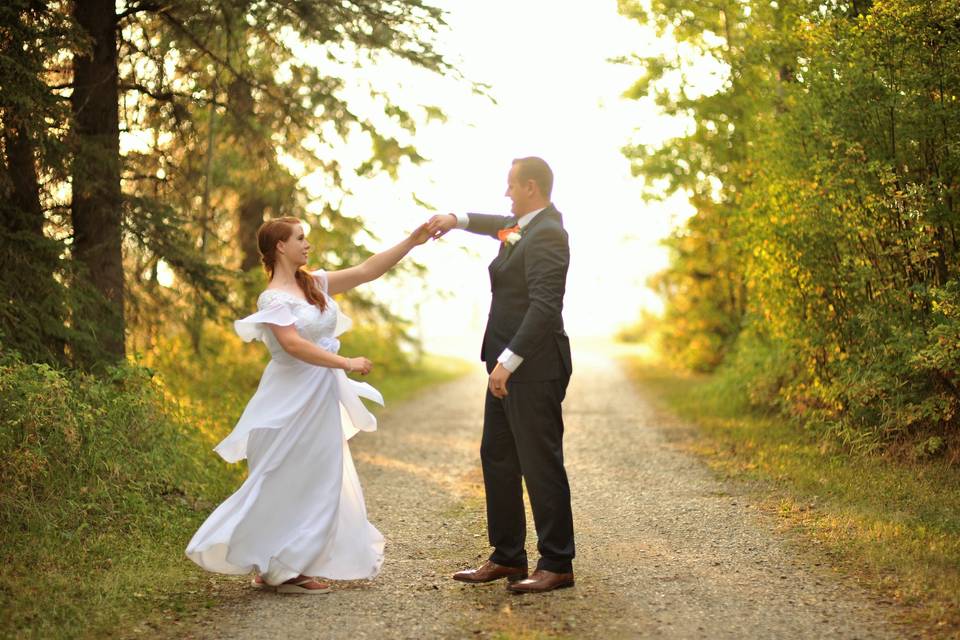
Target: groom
<point>527,354</point>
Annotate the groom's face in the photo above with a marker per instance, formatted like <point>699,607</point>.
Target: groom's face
<point>520,194</point>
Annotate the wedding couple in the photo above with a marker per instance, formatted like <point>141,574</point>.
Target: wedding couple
<point>300,514</point>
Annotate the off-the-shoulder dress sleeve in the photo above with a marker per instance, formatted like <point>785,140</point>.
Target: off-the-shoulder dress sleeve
<point>273,310</point>
<point>344,323</point>
<point>321,277</point>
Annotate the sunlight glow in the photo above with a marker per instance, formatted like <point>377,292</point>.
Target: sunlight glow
<point>165,275</point>
<point>557,95</point>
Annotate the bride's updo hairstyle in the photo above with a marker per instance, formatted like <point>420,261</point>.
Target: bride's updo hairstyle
<point>279,230</point>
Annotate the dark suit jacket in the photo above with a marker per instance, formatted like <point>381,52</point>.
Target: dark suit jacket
<point>528,280</point>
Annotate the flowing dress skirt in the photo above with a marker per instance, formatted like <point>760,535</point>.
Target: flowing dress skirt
<point>301,508</point>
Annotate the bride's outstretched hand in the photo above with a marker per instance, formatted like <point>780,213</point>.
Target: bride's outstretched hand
<point>421,234</point>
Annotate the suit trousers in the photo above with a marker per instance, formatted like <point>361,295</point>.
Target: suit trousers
<point>523,438</point>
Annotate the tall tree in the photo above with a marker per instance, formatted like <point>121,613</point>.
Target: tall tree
<point>96,208</point>
<point>33,278</point>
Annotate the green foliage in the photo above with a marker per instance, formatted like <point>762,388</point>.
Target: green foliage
<point>102,482</point>
<point>212,402</point>
<point>705,289</point>
<point>223,109</point>
<point>822,266</point>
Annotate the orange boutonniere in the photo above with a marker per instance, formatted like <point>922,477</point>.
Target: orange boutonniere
<point>510,235</point>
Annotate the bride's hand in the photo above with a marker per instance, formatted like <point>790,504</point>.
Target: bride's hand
<point>359,365</point>
<point>421,234</point>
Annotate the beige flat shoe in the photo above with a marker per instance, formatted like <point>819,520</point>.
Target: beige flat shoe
<point>298,587</point>
<point>258,583</point>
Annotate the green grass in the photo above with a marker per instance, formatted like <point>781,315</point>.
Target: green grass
<point>432,370</point>
<point>103,480</point>
<point>892,524</point>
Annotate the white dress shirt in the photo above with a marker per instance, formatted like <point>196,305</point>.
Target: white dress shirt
<point>508,359</point>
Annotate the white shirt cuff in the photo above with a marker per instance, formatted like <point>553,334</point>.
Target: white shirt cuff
<point>462,220</point>
<point>510,360</point>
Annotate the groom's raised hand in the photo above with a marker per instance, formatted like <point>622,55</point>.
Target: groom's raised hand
<point>438,226</point>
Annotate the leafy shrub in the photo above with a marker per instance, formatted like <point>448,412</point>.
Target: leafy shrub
<point>102,482</point>
<point>824,176</point>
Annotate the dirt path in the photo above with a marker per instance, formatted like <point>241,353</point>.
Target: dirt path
<point>664,549</point>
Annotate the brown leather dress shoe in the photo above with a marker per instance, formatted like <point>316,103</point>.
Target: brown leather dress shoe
<point>542,580</point>
<point>490,571</point>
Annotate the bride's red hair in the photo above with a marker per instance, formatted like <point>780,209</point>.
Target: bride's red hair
<point>279,230</point>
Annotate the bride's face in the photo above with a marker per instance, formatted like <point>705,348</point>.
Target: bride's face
<point>296,248</point>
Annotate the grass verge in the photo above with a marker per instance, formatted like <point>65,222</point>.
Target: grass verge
<point>102,481</point>
<point>892,525</point>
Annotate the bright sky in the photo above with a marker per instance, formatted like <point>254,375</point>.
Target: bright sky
<point>559,97</point>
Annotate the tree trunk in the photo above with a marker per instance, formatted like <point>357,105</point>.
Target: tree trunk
<point>252,206</point>
<point>250,218</point>
<point>860,7</point>
<point>27,214</point>
<point>97,206</point>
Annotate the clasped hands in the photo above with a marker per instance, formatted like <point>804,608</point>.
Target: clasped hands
<point>437,227</point>
<point>434,228</point>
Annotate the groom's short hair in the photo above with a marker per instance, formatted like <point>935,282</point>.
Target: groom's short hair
<point>536,169</point>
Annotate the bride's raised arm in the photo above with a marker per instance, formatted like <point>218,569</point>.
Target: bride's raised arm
<point>376,265</point>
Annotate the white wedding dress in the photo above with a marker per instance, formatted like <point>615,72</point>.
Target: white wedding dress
<point>301,508</point>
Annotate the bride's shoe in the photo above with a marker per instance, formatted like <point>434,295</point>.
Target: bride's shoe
<point>299,585</point>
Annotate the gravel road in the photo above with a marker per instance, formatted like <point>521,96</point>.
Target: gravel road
<point>665,549</point>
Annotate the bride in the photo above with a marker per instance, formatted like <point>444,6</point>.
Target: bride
<point>300,513</point>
